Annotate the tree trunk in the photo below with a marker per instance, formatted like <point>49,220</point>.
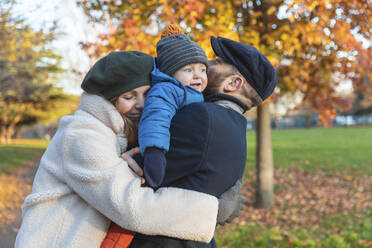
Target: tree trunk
<point>9,134</point>
<point>10,128</point>
<point>17,132</point>
<point>2,135</point>
<point>264,158</point>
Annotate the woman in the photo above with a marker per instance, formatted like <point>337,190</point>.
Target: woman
<point>82,183</point>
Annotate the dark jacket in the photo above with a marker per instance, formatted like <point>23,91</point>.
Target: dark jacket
<point>207,154</point>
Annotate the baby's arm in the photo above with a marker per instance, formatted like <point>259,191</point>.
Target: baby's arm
<point>160,107</point>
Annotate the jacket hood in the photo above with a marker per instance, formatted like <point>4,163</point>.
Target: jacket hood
<point>103,110</point>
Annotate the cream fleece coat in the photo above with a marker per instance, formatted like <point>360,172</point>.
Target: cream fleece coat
<point>82,184</point>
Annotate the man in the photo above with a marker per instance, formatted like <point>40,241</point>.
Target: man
<point>208,140</point>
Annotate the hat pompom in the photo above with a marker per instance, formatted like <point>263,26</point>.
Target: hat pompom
<point>175,50</point>
<point>171,29</point>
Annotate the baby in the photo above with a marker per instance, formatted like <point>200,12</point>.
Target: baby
<point>178,78</point>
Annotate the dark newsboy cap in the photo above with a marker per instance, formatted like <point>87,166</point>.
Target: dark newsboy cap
<point>252,64</point>
<point>117,73</point>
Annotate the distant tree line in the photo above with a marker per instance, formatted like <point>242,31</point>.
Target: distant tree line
<point>29,68</point>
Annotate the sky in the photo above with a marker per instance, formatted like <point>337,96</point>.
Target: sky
<point>73,23</point>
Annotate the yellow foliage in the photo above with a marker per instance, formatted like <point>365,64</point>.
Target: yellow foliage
<point>271,10</point>
<point>297,36</point>
<point>312,6</point>
<point>13,190</point>
<point>284,37</point>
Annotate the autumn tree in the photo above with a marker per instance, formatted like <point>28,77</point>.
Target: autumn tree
<point>362,103</point>
<point>313,45</point>
<point>28,68</point>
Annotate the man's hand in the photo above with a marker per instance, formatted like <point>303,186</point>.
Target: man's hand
<point>230,203</point>
<point>127,156</point>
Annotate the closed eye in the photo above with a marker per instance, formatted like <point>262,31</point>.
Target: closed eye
<point>128,97</point>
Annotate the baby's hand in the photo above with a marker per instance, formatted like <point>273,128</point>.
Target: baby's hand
<point>127,156</point>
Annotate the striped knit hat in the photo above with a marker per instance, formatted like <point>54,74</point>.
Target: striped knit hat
<point>176,50</point>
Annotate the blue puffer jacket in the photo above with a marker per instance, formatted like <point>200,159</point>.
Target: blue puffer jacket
<point>165,98</point>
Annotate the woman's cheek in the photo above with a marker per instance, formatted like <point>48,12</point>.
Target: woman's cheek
<point>125,108</point>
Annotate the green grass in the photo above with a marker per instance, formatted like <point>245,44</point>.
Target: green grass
<point>20,152</point>
<point>357,233</point>
<point>330,149</point>
<point>337,150</point>
<point>341,150</point>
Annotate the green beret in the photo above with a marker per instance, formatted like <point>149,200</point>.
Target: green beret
<point>117,73</point>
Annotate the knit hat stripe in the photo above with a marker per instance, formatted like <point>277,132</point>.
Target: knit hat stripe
<point>188,58</point>
<point>175,50</point>
<point>162,45</point>
<point>166,40</point>
<point>197,57</point>
<point>174,54</point>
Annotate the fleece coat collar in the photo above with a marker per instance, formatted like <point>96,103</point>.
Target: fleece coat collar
<point>103,110</point>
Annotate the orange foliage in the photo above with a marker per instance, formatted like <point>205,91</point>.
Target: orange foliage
<point>304,200</point>
<point>307,41</point>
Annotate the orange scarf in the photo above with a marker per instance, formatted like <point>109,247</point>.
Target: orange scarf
<point>117,237</point>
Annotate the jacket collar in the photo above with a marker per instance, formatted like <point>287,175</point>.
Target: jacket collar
<point>227,101</point>
<point>103,110</point>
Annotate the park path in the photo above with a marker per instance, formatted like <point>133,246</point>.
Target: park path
<point>14,187</point>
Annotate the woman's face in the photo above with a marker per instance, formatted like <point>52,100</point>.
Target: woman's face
<point>131,103</point>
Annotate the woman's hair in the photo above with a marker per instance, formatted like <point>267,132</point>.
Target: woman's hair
<point>130,126</point>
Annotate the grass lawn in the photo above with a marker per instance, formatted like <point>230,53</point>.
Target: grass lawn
<point>20,152</point>
<point>357,233</point>
<point>323,192</point>
<point>331,149</point>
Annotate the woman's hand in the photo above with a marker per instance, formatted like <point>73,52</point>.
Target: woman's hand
<point>127,156</point>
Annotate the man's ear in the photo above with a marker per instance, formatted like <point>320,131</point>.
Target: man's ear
<point>234,84</point>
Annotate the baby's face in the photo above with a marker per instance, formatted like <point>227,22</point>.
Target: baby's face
<point>193,75</point>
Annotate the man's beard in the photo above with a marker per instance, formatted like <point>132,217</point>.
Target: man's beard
<point>212,85</point>
<point>215,80</point>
